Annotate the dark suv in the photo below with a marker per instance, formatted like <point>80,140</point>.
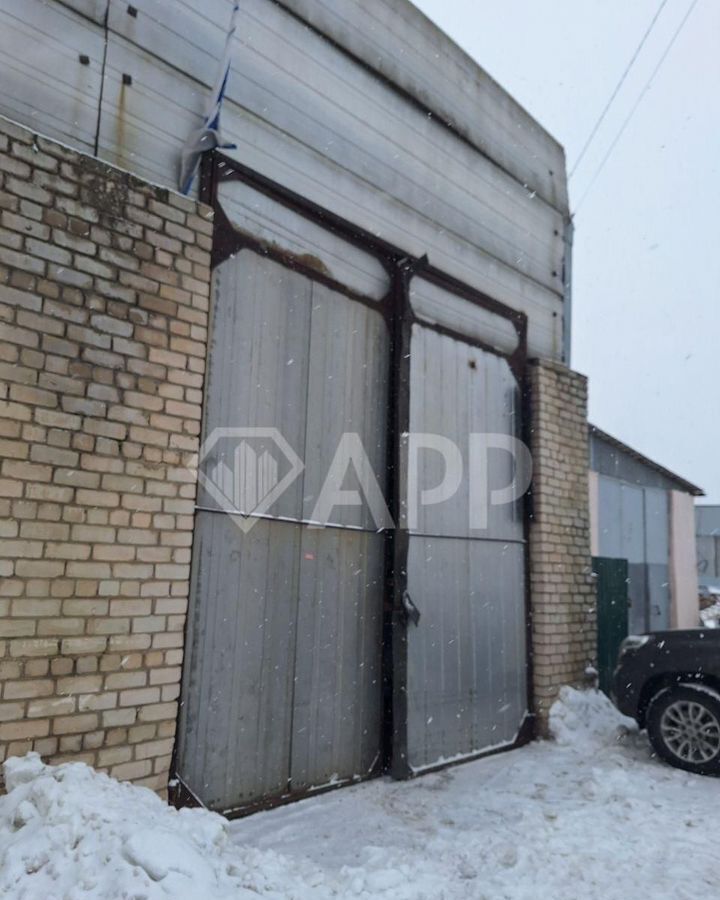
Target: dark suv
<point>669,682</point>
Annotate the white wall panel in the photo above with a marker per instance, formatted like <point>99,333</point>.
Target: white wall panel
<point>144,125</point>
<point>43,84</point>
<point>304,113</point>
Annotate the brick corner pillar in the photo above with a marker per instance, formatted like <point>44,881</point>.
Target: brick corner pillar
<point>563,600</point>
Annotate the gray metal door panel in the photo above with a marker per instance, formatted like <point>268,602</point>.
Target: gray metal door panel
<point>347,393</point>
<point>658,582</point>
<point>609,519</point>
<point>282,682</point>
<point>257,374</point>
<point>236,715</point>
<point>632,523</point>
<point>337,701</point>
<point>467,656</point>
<point>466,677</point>
<point>657,526</point>
<point>455,390</point>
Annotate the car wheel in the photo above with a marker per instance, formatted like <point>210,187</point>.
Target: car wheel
<point>683,724</point>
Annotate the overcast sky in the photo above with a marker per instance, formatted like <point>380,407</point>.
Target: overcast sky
<point>646,266</point>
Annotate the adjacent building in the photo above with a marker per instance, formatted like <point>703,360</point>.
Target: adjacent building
<point>645,514</point>
<point>384,250</point>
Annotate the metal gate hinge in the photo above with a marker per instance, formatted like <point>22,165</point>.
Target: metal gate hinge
<point>412,612</point>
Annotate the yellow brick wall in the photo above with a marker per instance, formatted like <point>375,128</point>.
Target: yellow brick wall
<point>563,606</point>
<point>104,292</point>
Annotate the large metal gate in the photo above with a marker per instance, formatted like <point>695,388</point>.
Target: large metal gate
<point>306,665</point>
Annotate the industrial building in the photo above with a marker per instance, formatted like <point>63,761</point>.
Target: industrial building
<point>383,251</point>
<point>645,514</point>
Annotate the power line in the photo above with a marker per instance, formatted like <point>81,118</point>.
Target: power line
<point>637,103</point>
<point>617,88</point>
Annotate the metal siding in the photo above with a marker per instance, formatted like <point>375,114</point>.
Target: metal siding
<point>634,525</point>
<point>403,45</point>
<point>456,390</point>
<point>607,459</point>
<point>347,393</point>
<point>467,655</point>
<point>707,554</point>
<point>657,526</point>
<point>144,125</point>
<point>258,362</point>
<point>302,85</point>
<point>707,519</point>
<point>236,714</point>
<point>658,586</point>
<point>282,683</point>
<point>44,85</point>
<point>437,306</point>
<point>292,109</point>
<point>307,115</point>
<point>267,220</point>
<point>337,704</point>
<point>283,158</point>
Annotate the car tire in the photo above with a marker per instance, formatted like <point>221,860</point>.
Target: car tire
<point>683,725</point>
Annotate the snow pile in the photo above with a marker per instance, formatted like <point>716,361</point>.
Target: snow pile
<point>587,719</point>
<point>583,816</point>
<point>70,832</point>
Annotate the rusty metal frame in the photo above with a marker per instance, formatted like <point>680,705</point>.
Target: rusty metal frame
<point>216,169</point>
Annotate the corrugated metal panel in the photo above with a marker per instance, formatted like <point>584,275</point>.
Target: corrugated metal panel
<point>285,639</point>
<point>304,113</point>
<point>437,306</point>
<point>236,715</point>
<point>708,556</point>
<point>657,526</point>
<point>390,169</point>
<point>708,519</point>
<point>634,525</point>
<point>403,45</point>
<point>44,84</point>
<point>467,656</point>
<point>144,125</point>
<point>279,156</point>
<point>347,394</point>
<point>265,219</point>
<point>314,92</point>
<point>338,691</point>
<point>457,390</point>
<point>258,363</point>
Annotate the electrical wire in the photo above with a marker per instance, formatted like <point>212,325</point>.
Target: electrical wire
<point>637,103</point>
<point>620,83</point>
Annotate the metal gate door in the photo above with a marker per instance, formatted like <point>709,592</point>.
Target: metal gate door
<point>612,614</point>
<point>282,688</point>
<point>466,684</point>
<point>302,668</point>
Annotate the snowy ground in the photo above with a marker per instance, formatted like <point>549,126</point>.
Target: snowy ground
<point>590,815</point>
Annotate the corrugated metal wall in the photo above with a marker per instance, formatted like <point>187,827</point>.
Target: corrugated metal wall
<point>707,520</point>
<point>467,688</point>
<point>305,113</point>
<point>634,524</point>
<point>282,679</point>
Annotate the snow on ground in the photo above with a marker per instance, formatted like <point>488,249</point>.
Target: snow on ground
<point>590,815</point>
